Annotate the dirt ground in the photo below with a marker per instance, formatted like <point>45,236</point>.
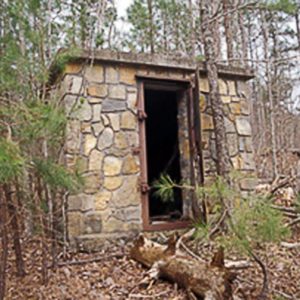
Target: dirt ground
<point>111,274</point>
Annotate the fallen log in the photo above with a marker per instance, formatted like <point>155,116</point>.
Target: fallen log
<point>206,281</point>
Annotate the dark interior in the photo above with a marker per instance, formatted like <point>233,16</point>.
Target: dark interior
<point>162,151</point>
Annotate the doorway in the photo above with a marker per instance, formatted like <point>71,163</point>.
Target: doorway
<point>160,108</point>
<point>162,148</point>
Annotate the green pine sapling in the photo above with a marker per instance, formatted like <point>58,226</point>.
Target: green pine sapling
<point>233,221</point>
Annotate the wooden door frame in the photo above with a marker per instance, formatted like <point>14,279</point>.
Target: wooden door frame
<point>160,84</point>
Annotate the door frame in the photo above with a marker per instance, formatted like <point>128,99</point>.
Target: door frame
<point>159,83</point>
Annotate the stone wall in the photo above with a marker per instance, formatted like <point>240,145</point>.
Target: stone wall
<point>102,133</point>
<point>236,108</point>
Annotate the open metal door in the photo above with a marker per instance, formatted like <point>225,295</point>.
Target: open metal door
<point>153,83</point>
<point>195,141</point>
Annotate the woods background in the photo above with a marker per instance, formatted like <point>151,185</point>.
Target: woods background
<point>261,35</point>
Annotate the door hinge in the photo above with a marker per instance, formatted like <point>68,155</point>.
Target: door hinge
<point>144,187</point>
<point>136,150</point>
<point>142,115</point>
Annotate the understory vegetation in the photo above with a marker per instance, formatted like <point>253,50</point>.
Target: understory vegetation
<point>34,183</point>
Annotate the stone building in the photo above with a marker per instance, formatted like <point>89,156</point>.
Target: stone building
<point>133,117</point>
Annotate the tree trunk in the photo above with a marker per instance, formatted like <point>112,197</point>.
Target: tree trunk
<point>223,162</point>
<point>15,231</point>
<point>208,281</point>
<point>228,30</point>
<point>244,38</point>
<point>4,244</point>
<point>151,29</point>
<point>298,27</point>
<point>265,31</point>
<point>192,30</point>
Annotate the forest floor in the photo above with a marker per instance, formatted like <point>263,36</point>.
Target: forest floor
<point>111,274</point>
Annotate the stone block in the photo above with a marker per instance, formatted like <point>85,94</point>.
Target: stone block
<point>114,225</point>
<point>120,140</point>
<point>235,99</point>
<point>93,100</point>
<point>132,101</point>
<point>73,68</point>
<point>245,144</point>
<point>202,101</point>
<point>114,121</point>
<point>117,92</point>
<point>222,87</point>
<point>236,162</point>
<point>92,223</point>
<point>73,136</point>
<point>127,214</point>
<point>128,193</point>
<point>111,74</point>
<point>112,182</point>
<point>96,109</point>
<point>86,127</point>
<point>97,90</point>
<point>128,120</point>
<point>94,73</point>
<point>231,87</point>
<point>213,149</point>
<point>80,202</point>
<point>127,76</point>
<point>97,128</point>
<point>243,126</point>
<point>131,89</point>
<point>245,109</point>
<point>110,105</point>
<point>101,200</point>
<point>134,226</point>
<point>247,161</point>
<point>69,103</point>
<point>248,144</point>
<point>92,183</point>
<point>81,164</point>
<point>207,122</point>
<point>205,140</point>
<point>232,142</point>
<point>226,99</point>
<point>74,202</point>
<point>132,138</point>
<point>89,143</point>
<point>248,184</point>
<point>203,85</point>
<point>75,84</point>
<point>75,224</point>
<point>235,108</point>
<point>83,111</point>
<point>105,120</point>
<point>112,166</point>
<point>106,138</point>
<point>95,160</point>
<point>130,165</point>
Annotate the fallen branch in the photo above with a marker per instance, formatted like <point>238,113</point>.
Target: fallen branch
<point>285,209</point>
<point>282,294</point>
<point>293,222</point>
<point>197,277</point>
<point>155,296</point>
<point>290,245</point>
<point>280,184</point>
<point>237,265</point>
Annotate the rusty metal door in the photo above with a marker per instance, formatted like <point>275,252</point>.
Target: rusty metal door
<point>190,89</point>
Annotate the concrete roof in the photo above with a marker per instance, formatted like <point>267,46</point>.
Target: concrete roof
<point>158,60</point>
